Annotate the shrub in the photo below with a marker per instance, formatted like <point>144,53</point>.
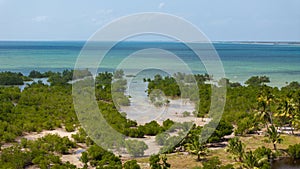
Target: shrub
<point>246,126</point>
<point>162,138</point>
<point>186,114</point>
<point>136,148</point>
<point>155,162</point>
<point>215,163</point>
<point>152,128</point>
<point>294,151</point>
<point>69,127</point>
<point>132,164</point>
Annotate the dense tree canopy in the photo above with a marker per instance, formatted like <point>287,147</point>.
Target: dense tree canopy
<point>257,80</point>
<point>11,78</point>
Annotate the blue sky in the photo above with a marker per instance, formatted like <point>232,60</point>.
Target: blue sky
<point>220,20</point>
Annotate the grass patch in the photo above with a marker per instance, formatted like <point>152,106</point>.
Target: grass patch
<point>187,161</point>
<point>254,141</point>
<point>177,161</point>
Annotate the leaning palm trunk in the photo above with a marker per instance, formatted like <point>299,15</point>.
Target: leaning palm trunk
<point>275,147</point>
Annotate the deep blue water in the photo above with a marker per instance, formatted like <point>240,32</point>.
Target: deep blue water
<point>281,62</point>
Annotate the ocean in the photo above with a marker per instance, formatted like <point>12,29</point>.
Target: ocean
<point>280,62</point>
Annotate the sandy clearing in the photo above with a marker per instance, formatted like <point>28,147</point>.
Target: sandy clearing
<point>59,131</point>
<point>35,135</point>
<point>73,158</point>
<point>143,112</point>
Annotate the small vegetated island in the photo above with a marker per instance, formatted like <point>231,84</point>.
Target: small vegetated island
<point>260,123</point>
<point>11,78</point>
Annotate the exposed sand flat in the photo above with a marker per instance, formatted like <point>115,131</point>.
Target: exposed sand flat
<point>35,135</point>
<point>73,159</point>
<point>143,111</point>
<point>32,167</point>
<point>59,131</point>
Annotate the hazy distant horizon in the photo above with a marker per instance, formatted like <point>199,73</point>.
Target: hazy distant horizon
<point>213,41</point>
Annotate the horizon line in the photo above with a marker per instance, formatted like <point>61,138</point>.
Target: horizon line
<point>240,41</point>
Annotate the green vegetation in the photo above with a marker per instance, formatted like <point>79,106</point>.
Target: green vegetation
<point>294,151</point>
<point>109,89</point>
<point>255,160</point>
<point>228,83</point>
<point>10,78</point>
<point>66,74</point>
<point>152,128</point>
<point>57,78</point>
<point>36,74</point>
<point>98,157</point>
<point>157,162</point>
<point>257,80</point>
<point>259,158</point>
<point>167,84</point>
<point>103,86</point>
<point>274,136</point>
<point>136,148</point>
<point>132,164</point>
<point>223,128</point>
<point>196,147</point>
<point>236,148</point>
<point>215,163</point>
<point>42,152</point>
<point>39,107</point>
<point>251,109</point>
<point>157,98</point>
<point>186,114</point>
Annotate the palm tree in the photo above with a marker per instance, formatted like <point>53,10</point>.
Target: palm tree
<point>196,147</point>
<point>264,108</point>
<point>296,119</point>
<point>253,161</point>
<point>274,136</point>
<point>236,148</point>
<point>287,109</point>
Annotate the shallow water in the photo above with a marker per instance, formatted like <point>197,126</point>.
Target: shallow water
<point>43,80</point>
<point>286,164</point>
<point>240,61</point>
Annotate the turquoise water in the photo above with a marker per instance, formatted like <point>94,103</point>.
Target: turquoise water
<point>281,62</point>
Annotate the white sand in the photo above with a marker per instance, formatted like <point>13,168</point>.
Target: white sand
<point>61,132</point>
<point>143,112</point>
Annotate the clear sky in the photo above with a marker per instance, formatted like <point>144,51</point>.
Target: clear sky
<point>220,20</point>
